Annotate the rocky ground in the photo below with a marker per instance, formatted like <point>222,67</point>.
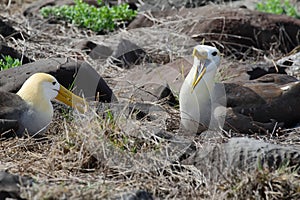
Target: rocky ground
<point>129,146</point>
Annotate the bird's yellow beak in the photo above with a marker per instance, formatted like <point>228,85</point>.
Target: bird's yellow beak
<point>201,55</point>
<point>71,99</point>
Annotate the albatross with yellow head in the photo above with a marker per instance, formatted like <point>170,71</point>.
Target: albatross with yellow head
<point>31,108</point>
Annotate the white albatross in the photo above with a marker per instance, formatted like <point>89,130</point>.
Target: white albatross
<point>197,94</point>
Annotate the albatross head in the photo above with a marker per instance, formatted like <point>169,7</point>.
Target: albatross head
<point>39,89</point>
<point>206,60</point>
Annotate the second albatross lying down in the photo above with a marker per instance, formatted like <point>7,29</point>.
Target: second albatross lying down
<point>256,106</point>
<point>31,108</point>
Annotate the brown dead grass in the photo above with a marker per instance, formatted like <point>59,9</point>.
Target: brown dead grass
<point>88,158</point>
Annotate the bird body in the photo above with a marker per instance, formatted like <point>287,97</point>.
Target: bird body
<point>31,107</point>
<point>196,112</point>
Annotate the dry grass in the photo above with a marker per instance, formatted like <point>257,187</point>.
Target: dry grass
<point>282,184</point>
<point>91,157</point>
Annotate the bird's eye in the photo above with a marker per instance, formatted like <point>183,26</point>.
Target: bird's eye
<point>214,53</point>
<point>53,83</point>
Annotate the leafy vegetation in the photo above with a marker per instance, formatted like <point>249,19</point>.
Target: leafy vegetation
<point>8,62</point>
<point>278,7</point>
<point>102,18</point>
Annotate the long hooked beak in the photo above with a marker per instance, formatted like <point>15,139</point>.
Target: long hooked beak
<point>201,69</point>
<point>71,99</point>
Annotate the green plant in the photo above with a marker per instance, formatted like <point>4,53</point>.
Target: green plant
<point>102,18</point>
<point>8,62</point>
<point>278,7</point>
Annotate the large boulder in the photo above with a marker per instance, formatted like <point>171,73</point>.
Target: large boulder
<point>78,75</point>
<point>241,30</point>
<point>7,29</point>
<point>10,185</point>
<point>8,51</point>
<point>244,154</point>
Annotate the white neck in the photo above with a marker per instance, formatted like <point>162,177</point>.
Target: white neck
<point>195,103</point>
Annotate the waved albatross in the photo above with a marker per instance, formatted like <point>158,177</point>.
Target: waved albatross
<point>256,106</point>
<point>31,108</point>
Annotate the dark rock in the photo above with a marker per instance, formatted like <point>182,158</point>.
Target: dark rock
<point>8,51</point>
<point>158,52</point>
<point>7,30</point>
<point>282,109</point>
<point>8,128</point>
<point>231,27</point>
<point>238,96</point>
<point>152,92</point>
<point>178,146</point>
<point>8,122</point>
<point>261,71</point>
<point>238,122</point>
<point>92,85</point>
<point>10,185</point>
<point>245,154</point>
<point>69,73</point>
<point>237,72</point>
<point>123,53</point>
<point>127,54</point>
<point>136,195</point>
<point>95,51</point>
<point>156,83</point>
<point>262,103</point>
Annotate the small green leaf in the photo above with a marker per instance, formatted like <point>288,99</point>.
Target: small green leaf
<point>8,62</point>
<point>278,7</point>
<point>103,18</point>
